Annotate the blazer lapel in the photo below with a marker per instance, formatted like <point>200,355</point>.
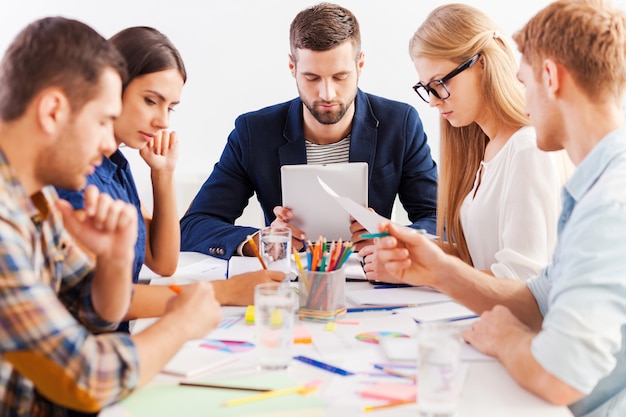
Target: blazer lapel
<point>364,133</point>
<point>294,151</point>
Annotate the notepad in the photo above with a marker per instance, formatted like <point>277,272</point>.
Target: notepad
<point>194,360</point>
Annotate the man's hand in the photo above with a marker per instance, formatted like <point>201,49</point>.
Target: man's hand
<point>283,216</point>
<point>196,308</point>
<point>410,256</point>
<point>357,230</point>
<point>108,228</point>
<point>494,330</point>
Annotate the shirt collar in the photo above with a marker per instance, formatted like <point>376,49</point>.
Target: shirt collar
<point>594,164</point>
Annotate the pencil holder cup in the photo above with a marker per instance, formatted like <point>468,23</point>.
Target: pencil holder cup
<point>322,294</point>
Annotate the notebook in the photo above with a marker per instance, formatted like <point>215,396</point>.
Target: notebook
<point>316,212</point>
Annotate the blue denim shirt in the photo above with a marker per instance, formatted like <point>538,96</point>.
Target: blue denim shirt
<point>582,293</point>
<point>115,178</point>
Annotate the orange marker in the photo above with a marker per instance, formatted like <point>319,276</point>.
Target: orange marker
<point>176,288</point>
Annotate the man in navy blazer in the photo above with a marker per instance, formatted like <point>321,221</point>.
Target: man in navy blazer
<point>332,118</point>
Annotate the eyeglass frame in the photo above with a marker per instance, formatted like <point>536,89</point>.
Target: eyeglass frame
<point>442,81</point>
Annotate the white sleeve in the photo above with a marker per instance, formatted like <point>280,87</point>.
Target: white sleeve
<point>529,214</point>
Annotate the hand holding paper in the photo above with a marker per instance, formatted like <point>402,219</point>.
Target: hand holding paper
<point>368,219</point>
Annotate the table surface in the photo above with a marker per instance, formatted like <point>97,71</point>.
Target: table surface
<point>488,389</point>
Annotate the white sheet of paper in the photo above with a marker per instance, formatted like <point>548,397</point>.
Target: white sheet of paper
<point>447,311</point>
<point>242,264</point>
<point>208,269</point>
<point>368,219</point>
<point>394,296</point>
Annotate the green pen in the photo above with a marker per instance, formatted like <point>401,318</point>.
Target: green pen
<point>374,235</point>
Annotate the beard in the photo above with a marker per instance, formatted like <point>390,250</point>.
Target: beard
<point>61,164</point>
<point>326,117</point>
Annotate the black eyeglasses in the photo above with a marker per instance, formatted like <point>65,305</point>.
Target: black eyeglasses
<point>438,87</point>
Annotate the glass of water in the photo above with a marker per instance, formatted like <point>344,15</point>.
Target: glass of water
<point>274,311</point>
<point>439,380</point>
<point>276,248</point>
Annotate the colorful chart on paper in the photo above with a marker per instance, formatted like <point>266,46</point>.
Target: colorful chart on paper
<point>230,346</point>
<point>374,337</point>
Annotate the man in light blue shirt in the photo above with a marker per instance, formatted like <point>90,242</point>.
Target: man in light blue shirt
<point>562,335</point>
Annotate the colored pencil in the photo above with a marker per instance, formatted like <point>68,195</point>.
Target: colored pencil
<point>256,251</point>
<point>203,385</point>
<point>389,405</point>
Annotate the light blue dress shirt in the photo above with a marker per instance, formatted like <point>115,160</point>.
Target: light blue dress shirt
<point>582,293</point>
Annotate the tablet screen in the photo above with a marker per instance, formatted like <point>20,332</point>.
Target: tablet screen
<point>316,212</point>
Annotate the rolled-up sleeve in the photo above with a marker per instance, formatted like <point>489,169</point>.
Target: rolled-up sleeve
<point>582,328</point>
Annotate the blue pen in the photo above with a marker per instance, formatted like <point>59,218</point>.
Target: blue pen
<point>377,308</point>
<point>385,286</point>
<point>323,366</point>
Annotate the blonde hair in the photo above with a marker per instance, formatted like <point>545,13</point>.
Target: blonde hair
<point>588,37</point>
<point>462,148</point>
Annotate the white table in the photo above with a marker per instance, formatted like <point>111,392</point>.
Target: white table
<point>488,389</point>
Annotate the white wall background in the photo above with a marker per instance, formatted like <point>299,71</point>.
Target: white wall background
<point>236,57</point>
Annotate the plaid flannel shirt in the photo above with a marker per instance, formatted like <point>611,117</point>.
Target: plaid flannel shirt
<point>47,351</point>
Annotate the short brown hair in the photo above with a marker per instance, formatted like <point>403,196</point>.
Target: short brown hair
<point>588,37</point>
<point>323,27</point>
<point>54,51</point>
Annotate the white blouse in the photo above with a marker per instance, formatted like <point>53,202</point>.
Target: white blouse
<point>510,222</point>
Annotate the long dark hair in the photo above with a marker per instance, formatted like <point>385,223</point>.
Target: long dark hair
<point>147,50</point>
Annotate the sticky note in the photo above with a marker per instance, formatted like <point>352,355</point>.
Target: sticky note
<point>330,327</point>
<point>249,315</point>
<point>301,335</point>
<point>391,391</point>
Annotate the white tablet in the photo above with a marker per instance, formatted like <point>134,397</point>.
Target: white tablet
<point>315,211</point>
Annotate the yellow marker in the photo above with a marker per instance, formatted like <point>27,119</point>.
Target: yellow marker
<point>330,327</point>
<point>249,317</point>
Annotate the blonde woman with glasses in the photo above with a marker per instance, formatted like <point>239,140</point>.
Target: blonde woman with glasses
<point>499,195</point>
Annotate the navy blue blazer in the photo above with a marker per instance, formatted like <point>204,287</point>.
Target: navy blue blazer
<point>386,134</point>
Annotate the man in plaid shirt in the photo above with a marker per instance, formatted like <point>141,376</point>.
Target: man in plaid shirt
<point>60,91</point>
